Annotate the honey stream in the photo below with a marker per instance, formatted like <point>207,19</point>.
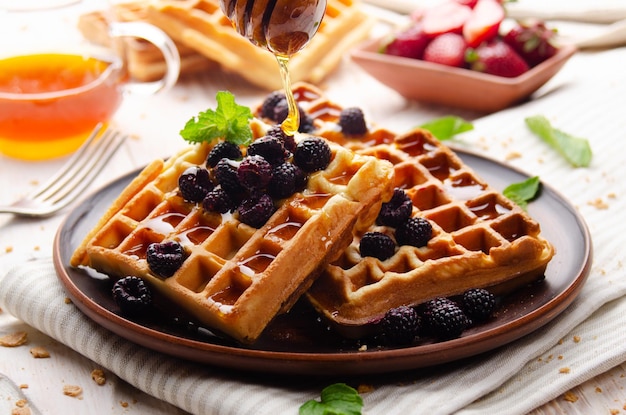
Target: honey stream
<point>283,27</point>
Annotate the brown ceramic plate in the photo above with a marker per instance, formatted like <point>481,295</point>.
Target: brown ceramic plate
<point>456,87</point>
<point>297,343</point>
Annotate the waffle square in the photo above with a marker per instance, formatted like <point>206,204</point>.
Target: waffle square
<point>201,25</point>
<point>480,238</point>
<point>237,278</point>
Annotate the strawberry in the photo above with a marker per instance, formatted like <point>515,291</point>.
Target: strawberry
<point>532,40</point>
<point>447,49</point>
<point>445,17</point>
<point>497,58</point>
<point>484,22</point>
<point>409,43</point>
<point>469,3</point>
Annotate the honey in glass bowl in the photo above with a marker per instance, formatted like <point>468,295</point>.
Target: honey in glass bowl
<point>50,102</point>
<point>56,84</point>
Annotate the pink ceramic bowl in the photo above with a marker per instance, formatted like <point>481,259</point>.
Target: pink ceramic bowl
<point>457,87</point>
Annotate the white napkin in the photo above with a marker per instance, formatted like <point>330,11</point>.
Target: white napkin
<point>512,380</point>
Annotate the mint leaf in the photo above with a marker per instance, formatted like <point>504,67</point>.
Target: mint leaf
<point>522,192</point>
<point>445,128</point>
<point>575,150</point>
<point>336,399</point>
<point>229,121</point>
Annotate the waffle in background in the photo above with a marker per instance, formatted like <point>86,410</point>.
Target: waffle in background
<point>237,278</point>
<point>480,238</point>
<point>145,61</point>
<point>201,25</point>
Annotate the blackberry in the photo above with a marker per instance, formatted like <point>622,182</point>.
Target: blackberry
<point>226,175</point>
<point>223,150</point>
<point>254,173</point>
<point>478,303</point>
<point>270,148</point>
<point>165,258</point>
<point>377,245</point>
<point>194,183</point>
<point>414,231</point>
<point>306,123</point>
<point>269,103</point>
<point>281,111</point>
<point>312,154</point>
<point>400,326</point>
<point>256,211</point>
<point>396,211</point>
<point>218,200</point>
<point>426,308</point>
<point>276,131</point>
<point>352,121</point>
<point>287,178</point>
<point>446,320</point>
<point>132,295</point>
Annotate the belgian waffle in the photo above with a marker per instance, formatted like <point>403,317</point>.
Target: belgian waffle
<point>145,61</point>
<point>480,238</point>
<point>237,278</point>
<point>201,25</point>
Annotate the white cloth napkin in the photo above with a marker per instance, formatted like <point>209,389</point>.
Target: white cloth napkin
<point>587,337</point>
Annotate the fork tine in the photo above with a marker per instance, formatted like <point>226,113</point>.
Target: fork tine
<point>88,168</point>
<point>72,171</point>
<point>68,166</point>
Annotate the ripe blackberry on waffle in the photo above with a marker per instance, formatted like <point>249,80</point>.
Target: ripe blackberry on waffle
<point>235,273</point>
<point>468,235</point>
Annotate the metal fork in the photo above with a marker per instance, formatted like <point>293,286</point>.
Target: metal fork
<point>72,179</point>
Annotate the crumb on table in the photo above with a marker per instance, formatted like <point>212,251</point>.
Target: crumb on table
<point>39,352</point>
<point>98,376</point>
<point>72,390</point>
<point>14,339</point>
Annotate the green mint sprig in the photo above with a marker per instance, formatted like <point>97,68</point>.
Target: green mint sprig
<point>523,192</point>
<point>336,399</point>
<point>575,150</point>
<point>229,121</point>
<point>445,128</point>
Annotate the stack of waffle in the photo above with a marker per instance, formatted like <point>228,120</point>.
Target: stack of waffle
<point>200,29</point>
<point>237,278</point>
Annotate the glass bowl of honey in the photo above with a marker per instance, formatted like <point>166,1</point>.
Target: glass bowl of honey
<point>55,85</point>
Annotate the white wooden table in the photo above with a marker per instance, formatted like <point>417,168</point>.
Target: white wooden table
<point>154,124</point>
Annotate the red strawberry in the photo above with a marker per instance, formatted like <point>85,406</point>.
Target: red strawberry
<point>409,43</point>
<point>484,22</point>
<point>469,3</point>
<point>532,40</point>
<point>447,49</point>
<point>497,58</point>
<point>446,17</point>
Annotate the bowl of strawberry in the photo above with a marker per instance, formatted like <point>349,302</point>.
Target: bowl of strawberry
<point>459,53</point>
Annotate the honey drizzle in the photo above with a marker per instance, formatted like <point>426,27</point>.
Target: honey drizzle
<point>291,124</point>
